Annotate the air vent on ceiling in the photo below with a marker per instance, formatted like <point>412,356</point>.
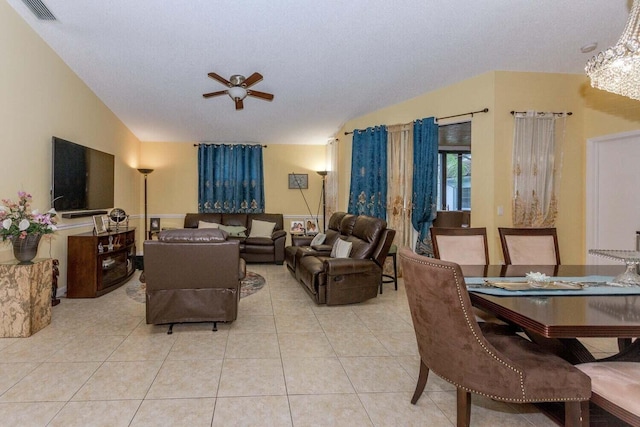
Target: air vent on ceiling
<point>39,9</point>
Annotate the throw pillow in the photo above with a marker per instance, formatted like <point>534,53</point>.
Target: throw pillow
<point>318,240</point>
<point>261,228</point>
<point>341,249</point>
<point>234,230</point>
<point>204,224</point>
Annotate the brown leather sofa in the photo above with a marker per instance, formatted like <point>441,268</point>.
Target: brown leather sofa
<point>252,249</point>
<point>343,280</point>
<point>192,276</point>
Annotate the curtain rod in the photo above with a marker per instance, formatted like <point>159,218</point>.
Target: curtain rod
<point>471,113</point>
<point>513,113</point>
<point>220,143</point>
<point>485,110</point>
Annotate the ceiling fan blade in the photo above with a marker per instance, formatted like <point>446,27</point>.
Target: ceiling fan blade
<point>252,79</point>
<point>261,95</point>
<point>239,104</point>
<point>220,79</point>
<point>209,95</point>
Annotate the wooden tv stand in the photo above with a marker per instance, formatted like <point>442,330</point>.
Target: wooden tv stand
<point>91,273</point>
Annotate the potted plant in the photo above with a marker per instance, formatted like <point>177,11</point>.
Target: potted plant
<point>24,227</point>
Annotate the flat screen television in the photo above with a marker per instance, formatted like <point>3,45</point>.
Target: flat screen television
<point>82,177</point>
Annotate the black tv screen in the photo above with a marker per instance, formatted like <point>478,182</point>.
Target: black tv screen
<point>82,177</point>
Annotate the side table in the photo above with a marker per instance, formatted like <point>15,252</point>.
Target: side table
<point>301,239</point>
<point>388,278</point>
<point>25,297</point>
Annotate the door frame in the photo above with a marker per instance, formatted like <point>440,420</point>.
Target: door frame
<point>592,196</point>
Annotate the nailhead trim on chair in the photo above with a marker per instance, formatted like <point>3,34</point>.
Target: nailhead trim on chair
<point>496,357</point>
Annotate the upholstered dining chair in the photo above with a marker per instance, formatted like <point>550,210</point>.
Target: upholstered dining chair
<point>529,246</point>
<point>464,246</point>
<point>615,387</point>
<point>482,360</point>
<point>468,247</point>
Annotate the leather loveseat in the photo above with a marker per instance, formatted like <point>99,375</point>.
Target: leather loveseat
<point>353,279</point>
<point>253,249</point>
<point>192,276</point>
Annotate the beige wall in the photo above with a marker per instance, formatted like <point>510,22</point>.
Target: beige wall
<point>606,113</point>
<point>42,97</point>
<point>173,185</point>
<point>279,162</point>
<point>545,92</point>
<point>595,113</point>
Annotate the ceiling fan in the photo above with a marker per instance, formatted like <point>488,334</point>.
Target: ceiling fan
<point>239,88</point>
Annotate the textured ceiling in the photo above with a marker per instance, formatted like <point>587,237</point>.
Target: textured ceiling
<point>326,62</point>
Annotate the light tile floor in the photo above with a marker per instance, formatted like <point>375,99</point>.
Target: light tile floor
<point>284,362</point>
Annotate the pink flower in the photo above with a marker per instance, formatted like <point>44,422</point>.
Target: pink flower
<point>17,220</point>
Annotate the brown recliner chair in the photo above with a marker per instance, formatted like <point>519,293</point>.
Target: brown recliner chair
<point>340,223</point>
<point>346,280</point>
<point>192,275</point>
<point>482,360</point>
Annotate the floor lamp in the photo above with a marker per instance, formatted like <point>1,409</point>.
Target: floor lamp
<point>145,172</point>
<point>323,174</point>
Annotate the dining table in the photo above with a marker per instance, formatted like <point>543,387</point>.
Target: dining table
<point>585,305</point>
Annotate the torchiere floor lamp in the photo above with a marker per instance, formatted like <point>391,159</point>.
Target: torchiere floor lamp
<point>323,174</point>
<point>145,172</point>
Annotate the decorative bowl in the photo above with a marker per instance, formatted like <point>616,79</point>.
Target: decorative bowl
<point>538,280</point>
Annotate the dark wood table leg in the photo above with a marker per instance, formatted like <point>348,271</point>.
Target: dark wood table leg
<point>623,343</point>
<point>630,353</point>
<point>573,351</point>
<point>570,349</point>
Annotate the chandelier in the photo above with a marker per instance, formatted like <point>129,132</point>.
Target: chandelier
<point>617,69</point>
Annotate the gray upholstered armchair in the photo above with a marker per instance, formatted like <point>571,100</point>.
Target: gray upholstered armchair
<point>485,360</point>
<point>192,275</point>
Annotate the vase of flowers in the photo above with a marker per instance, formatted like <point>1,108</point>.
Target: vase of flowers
<point>24,227</point>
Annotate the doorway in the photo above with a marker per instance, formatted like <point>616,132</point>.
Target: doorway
<point>612,193</point>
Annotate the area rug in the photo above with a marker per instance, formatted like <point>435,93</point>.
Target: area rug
<point>251,284</point>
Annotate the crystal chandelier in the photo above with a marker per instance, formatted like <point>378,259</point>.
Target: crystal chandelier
<point>617,69</point>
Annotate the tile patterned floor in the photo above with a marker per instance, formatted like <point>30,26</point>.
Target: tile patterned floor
<point>284,362</point>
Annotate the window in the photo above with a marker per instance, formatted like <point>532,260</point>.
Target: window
<point>454,166</point>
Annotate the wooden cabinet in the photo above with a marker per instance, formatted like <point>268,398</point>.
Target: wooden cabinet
<point>97,264</point>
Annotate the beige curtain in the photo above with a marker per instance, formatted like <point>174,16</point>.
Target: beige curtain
<point>400,180</point>
<point>537,165</point>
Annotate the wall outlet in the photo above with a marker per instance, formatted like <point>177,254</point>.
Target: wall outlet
<point>500,211</point>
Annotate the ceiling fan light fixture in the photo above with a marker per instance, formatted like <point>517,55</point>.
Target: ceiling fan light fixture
<point>237,92</point>
<point>237,87</point>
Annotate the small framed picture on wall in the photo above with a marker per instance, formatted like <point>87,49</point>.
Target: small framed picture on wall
<point>155,224</point>
<point>298,180</point>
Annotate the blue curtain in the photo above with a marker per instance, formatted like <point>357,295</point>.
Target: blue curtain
<point>230,178</point>
<point>368,190</point>
<point>425,180</point>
